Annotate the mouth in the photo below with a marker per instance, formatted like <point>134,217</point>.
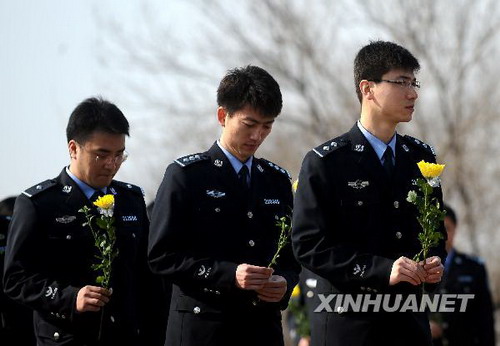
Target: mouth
<point>251,146</point>
<point>410,108</point>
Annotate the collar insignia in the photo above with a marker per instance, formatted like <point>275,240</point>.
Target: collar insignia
<point>259,167</point>
<point>359,148</point>
<point>218,163</point>
<point>67,189</point>
<point>358,184</point>
<point>406,148</point>
<point>215,193</point>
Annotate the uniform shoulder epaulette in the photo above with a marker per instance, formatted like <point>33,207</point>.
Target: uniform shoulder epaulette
<point>276,168</point>
<point>128,186</point>
<point>36,189</point>
<point>330,146</point>
<point>190,159</point>
<point>419,144</point>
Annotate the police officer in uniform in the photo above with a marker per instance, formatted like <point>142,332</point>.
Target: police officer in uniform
<point>213,230</point>
<point>352,223</point>
<point>464,274</point>
<point>50,253</point>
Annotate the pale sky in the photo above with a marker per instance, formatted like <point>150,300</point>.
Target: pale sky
<point>48,64</point>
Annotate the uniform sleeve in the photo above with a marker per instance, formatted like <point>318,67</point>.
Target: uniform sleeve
<point>153,302</point>
<point>315,235</point>
<point>24,278</point>
<point>169,252</point>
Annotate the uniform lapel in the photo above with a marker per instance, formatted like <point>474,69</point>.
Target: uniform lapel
<point>405,165</point>
<point>258,181</point>
<point>226,175</point>
<point>75,197</point>
<point>366,157</point>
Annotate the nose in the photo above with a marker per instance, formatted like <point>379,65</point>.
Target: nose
<point>111,163</point>
<point>412,93</point>
<point>256,135</point>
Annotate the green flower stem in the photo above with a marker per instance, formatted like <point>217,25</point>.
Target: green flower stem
<point>285,225</point>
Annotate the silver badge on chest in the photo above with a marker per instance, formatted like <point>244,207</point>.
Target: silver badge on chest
<point>215,193</point>
<point>65,219</point>
<point>358,184</point>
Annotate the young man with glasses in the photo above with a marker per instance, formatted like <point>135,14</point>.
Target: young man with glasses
<point>214,227</point>
<point>50,253</point>
<point>352,223</point>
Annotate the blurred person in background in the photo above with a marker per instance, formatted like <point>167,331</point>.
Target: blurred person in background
<point>464,274</point>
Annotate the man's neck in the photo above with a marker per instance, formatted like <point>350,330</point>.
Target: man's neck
<point>382,130</point>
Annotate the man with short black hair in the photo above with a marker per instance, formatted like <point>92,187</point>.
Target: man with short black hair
<point>214,226</point>
<point>352,223</point>
<point>50,253</point>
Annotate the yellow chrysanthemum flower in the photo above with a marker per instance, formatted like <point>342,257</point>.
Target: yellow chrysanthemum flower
<point>105,202</point>
<point>430,170</point>
<point>294,185</point>
<point>296,291</point>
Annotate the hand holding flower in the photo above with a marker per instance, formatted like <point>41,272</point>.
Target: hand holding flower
<point>430,214</point>
<point>434,269</point>
<point>273,290</point>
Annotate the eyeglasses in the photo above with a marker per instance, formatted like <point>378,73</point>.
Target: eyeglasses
<point>108,159</point>
<point>409,84</point>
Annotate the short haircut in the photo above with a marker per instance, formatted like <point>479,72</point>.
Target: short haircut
<point>450,213</point>
<point>250,86</point>
<point>95,115</point>
<point>379,57</point>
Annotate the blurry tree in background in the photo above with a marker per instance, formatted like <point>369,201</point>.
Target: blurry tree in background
<point>309,46</point>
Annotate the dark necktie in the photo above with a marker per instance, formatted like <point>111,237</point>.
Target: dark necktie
<point>388,163</point>
<point>96,195</point>
<point>243,177</point>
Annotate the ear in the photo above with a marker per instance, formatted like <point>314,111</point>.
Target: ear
<point>72,148</point>
<point>221,116</point>
<point>366,89</point>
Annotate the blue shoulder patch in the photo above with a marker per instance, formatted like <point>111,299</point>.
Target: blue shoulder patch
<point>190,159</point>
<point>36,189</point>
<point>330,146</point>
<point>276,168</point>
<point>419,144</point>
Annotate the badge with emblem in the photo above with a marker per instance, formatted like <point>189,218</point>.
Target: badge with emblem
<point>215,193</point>
<point>67,189</point>
<point>218,163</point>
<point>358,184</point>
<point>65,219</point>
<point>359,148</point>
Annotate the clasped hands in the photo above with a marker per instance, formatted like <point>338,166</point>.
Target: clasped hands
<point>92,298</point>
<point>428,271</point>
<point>270,288</point>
